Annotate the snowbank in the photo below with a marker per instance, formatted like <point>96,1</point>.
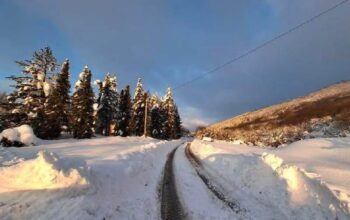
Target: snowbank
<point>302,188</point>
<point>46,171</point>
<point>23,134</point>
<point>264,181</point>
<point>323,159</point>
<point>207,150</point>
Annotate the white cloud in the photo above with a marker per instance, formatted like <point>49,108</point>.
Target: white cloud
<point>193,118</point>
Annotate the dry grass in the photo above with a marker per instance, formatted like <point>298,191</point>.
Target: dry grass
<point>288,121</point>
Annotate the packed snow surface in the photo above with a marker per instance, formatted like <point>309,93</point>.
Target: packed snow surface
<point>309,179</point>
<point>23,134</point>
<point>119,178</point>
<point>197,201</point>
<point>100,178</point>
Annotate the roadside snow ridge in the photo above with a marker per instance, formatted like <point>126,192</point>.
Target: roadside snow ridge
<point>46,171</point>
<point>304,190</point>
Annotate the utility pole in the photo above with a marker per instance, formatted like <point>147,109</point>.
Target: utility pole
<point>146,116</point>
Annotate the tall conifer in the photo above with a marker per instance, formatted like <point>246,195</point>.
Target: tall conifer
<point>58,104</point>
<point>107,108</point>
<point>125,111</point>
<point>32,90</point>
<point>169,107</point>
<point>138,110</point>
<point>156,120</point>
<point>82,106</point>
<point>178,126</point>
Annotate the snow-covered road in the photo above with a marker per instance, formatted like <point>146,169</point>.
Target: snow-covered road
<point>123,178</point>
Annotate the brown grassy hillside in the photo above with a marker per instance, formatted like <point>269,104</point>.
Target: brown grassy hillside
<point>322,113</point>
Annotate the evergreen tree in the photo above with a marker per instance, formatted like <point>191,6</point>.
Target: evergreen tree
<point>148,106</point>
<point>3,110</point>
<point>8,117</point>
<point>82,106</point>
<point>169,106</point>
<point>3,103</point>
<point>32,89</point>
<point>62,90</point>
<point>124,118</point>
<point>178,127</point>
<point>163,115</point>
<point>115,99</point>
<point>97,122</point>
<point>42,65</point>
<point>156,121</point>
<point>58,105</point>
<point>138,108</point>
<point>107,109</point>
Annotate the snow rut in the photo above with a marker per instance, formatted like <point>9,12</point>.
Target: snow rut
<point>171,208</point>
<point>212,186</point>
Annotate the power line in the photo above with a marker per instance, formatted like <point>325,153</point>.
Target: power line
<point>262,45</point>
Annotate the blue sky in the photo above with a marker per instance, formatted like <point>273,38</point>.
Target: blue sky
<point>169,42</point>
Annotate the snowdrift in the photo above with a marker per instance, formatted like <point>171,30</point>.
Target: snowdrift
<point>22,135</point>
<point>263,181</point>
<point>46,171</point>
<point>304,189</point>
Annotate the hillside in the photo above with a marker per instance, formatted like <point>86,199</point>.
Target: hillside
<point>324,113</point>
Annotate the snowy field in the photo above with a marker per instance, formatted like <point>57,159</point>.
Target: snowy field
<point>101,178</point>
<point>309,179</point>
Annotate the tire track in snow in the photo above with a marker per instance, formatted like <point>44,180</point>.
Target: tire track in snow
<point>212,186</point>
<point>171,208</point>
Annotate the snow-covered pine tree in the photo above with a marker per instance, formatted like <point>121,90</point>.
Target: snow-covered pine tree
<point>97,122</point>
<point>178,127</point>
<point>58,104</point>
<point>115,99</point>
<point>138,109</point>
<point>3,110</point>
<point>104,109</point>
<point>9,117</point>
<point>31,90</point>
<point>163,115</point>
<point>156,119</point>
<point>169,106</point>
<point>147,101</point>
<point>124,116</point>
<point>107,108</point>
<point>82,106</point>
<point>62,89</point>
